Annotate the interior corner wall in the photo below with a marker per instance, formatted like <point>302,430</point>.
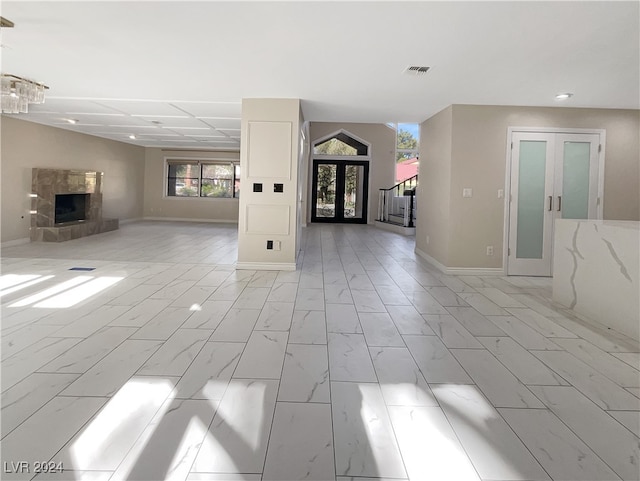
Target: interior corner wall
<point>478,161</point>
<point>303,163</point>
<point>269,156</point>
<point>27,144</point>
<point>159,206</point>
<point>434,187</point>
<point>303,174</point>
<point>382,152</point>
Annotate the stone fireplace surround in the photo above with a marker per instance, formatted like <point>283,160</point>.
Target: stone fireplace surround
<point>45,184</point>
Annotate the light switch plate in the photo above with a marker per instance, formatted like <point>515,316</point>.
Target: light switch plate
<point>467,192</point>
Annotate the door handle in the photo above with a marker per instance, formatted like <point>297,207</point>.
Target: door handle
<point>550,203</point>
<point>559,203</point>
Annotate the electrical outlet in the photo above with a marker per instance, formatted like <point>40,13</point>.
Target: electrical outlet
<point>467,192</point>
<point>427,239</point>
<point>270,245</point>
<point>489,250</point>
<point>277,245</point>
<point>500,193</point>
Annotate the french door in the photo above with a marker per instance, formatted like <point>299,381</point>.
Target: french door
<point>553,176</point>
<point>340,191</point>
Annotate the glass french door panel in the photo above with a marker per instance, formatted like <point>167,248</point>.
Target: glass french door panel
<point>353,191</point>
<point>575,180</point>
<point>531,199</point>
<point>326,191</point>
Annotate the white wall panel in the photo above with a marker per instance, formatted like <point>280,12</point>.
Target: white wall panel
<point>267,219</point>
<point>269,149</point>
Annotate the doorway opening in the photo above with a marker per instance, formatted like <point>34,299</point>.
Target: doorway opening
<point>340,179</point>
<point>340,191</point>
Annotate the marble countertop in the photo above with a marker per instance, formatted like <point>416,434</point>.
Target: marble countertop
<point>625,224</point>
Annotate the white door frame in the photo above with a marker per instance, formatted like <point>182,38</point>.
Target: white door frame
<point>507,177</point>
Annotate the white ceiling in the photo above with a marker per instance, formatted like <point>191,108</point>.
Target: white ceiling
<point>117,66</point>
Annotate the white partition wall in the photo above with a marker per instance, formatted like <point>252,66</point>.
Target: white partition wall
<point>596,271</point>
<point>267,226</point>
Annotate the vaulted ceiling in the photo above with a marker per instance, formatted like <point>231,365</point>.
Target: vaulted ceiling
<point>173,73</point>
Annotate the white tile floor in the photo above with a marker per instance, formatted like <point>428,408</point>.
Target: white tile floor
<point>366,363</point>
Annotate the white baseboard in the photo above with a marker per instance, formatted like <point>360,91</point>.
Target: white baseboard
<point>431,260</point>
<point>461,271</point>
<point>184,219</point>
<point>130,221</point>
<point>475,271</point>
<point>16,242</point>
<point>398,229</point>
<point>267,266</point>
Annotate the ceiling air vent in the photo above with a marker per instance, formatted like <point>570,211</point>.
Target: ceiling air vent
<point>416,70</point>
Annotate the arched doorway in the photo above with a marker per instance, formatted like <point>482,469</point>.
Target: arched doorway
<point>340,187</point>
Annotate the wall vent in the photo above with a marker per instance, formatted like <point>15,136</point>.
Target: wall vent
<point>416,70</point>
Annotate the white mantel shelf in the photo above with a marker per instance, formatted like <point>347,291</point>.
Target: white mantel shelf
<point>596,271</point>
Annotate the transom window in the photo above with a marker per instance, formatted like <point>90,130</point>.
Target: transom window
<point>203,178</point>
<point>340,144</point>
<point>407,150</point>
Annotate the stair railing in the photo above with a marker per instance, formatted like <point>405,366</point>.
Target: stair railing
<point>389,205</point>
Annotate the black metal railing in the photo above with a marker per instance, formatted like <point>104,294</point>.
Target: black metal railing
<point>398,202</point>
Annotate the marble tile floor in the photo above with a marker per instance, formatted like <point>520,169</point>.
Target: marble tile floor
<point>366,363</point>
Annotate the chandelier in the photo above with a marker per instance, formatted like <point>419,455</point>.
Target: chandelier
<point>18,93</point>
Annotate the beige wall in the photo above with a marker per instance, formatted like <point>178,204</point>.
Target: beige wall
<point>382,152</point>
<point>478,161</point>
<point>157,205</point>
<point>434,186</point>
<point>26,145</point>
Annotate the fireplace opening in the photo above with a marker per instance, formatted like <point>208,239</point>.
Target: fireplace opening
<point>71,207</point>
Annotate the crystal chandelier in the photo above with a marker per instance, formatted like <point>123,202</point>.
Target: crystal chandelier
<point>18,93</point>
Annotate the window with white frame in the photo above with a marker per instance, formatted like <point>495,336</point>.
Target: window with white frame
<point>203,178</point>
<point>407,150</point>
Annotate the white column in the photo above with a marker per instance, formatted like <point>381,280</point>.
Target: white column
<point>269,158</point>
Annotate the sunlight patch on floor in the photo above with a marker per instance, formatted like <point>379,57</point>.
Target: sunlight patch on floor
<point>136,400</point>
<point>17,287</point>
<point>80,293</point>
<point>63,286</point>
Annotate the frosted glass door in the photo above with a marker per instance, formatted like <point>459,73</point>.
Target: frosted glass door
<point>531,215</point>
<point>576,176</point>
<point>553,176</point>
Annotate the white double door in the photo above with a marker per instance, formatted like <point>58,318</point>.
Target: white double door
<point>553,175</point>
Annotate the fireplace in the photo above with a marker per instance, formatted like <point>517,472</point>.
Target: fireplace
<point>71,207</point>
<point>67,204</point>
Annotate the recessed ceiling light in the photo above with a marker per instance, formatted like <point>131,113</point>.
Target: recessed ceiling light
<point>132,137</point>
<point>72,121</point>
<point>564,96</point>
